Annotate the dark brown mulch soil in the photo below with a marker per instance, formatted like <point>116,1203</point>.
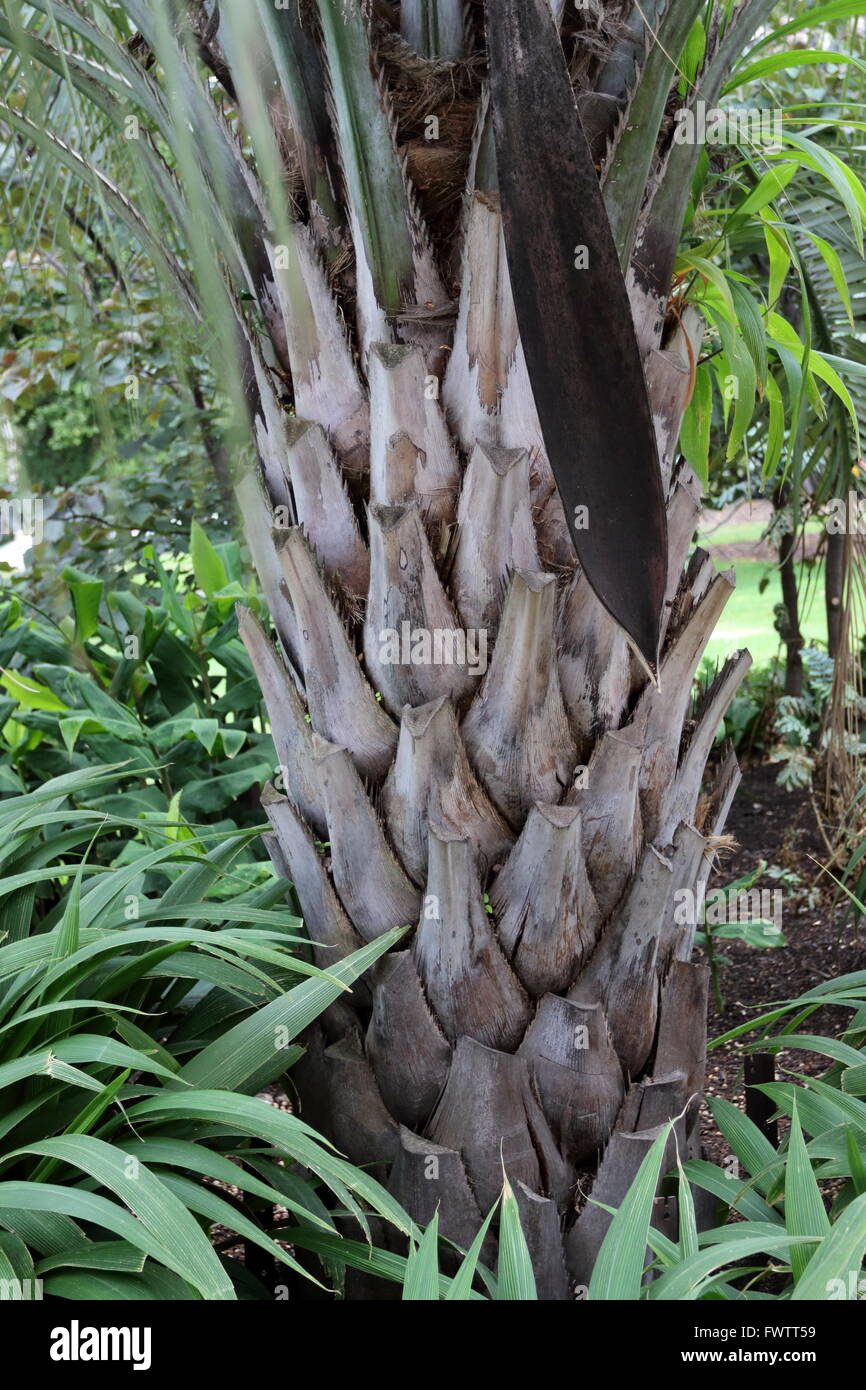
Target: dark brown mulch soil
<point>778,826</point>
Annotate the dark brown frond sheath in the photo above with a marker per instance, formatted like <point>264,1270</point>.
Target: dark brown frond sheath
<point>575,323</point>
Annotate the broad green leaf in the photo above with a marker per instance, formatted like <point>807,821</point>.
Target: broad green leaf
<point>115,1255</point>
<point>854,1079</point>
<point>74,724</point>
<point>353,1253</point>
<point>86,598</point>
<point>847,1106</point>
<point>180,615</point>
<point>791,58</point>
<point>752,328</point>
<point>692,57</point>
<point>734,1191</point>
<point>41,1210</point>
<point>740,377</point>
<point>695,429</point>
<point>845,184</point>
<point>856,1162</point>
<point>99,1285</point>
<point>716,277</point>
<point>812,1042</point>
<point>817,1113</point>
<point>204,1201</point>
<point>16,1262</point>
<point>207,565</point>
<point>181,1153</point>
<point>688,1280</point>
<point>783,333</point>
<point>831,259</point>
<point>249,1115</point>
<point>85,1121</point>
<point>775,427</point>
<point>45,1063</point>
<point>30,694</point>
<point>91,1047</point>
<point>810,17</point>
<point>233,740</point>
<point>48,1232</point>
<point>686,1210</point>
<point>779,255</point>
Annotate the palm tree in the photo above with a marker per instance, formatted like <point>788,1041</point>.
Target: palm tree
<point>442,300</point>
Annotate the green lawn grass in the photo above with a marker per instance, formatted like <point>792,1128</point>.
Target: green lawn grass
<point>741,533</point>
<point>748,618</point>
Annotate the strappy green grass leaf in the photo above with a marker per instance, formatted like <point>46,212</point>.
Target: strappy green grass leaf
<point>251,1049</point>
<point>160,1212</point>
<point>248,1115</point>
<point>460,1288</point>
<point>619,1268</point>
<point>688,1281</point>
<point>750,1146</point>
<point>514,1276</point>
<point>114,1255</point>
<point>805,1214</point>
<point>840,1257</point>
<point>421,1283</point>
<point>367,1259</point>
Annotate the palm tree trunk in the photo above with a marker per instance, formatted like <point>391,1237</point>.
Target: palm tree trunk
<point>468,747</point>
<point>530,1028</point>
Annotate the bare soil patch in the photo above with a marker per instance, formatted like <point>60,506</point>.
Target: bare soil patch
<point>778,826</point>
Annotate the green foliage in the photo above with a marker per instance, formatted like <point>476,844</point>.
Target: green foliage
<point>96,378</point>
<point>800,1231</point>
<point>773,257</point>
<point>123,1135</point>
<point>750,715</point>
<point>58,439</point>
<point>106,521</point>
<point>149,674</point>
<point>786,729</point>
<point>419,1273</point>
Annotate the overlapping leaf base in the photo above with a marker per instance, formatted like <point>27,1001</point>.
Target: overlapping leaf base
<point>519,797</point>
<point>533,825</point>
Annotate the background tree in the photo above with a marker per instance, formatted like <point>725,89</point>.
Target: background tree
<point>800,261</point>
